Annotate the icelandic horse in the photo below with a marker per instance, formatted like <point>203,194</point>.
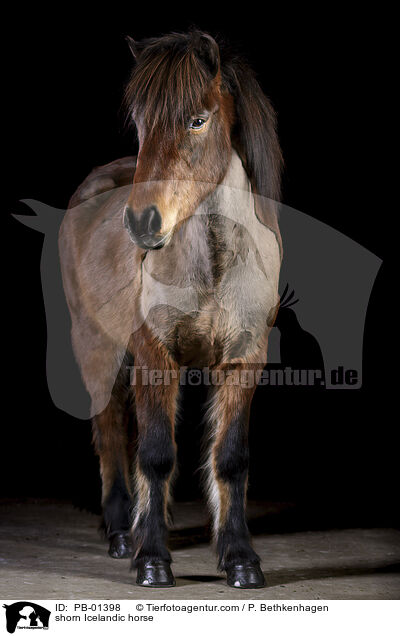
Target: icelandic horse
<point>171,260</point>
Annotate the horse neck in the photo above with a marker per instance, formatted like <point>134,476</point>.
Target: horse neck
<point>208,232</point>
<point>232,198</point>
<point>236,176</point>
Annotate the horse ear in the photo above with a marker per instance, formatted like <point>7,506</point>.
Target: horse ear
<point>208,51</point>
<point>133,46</point>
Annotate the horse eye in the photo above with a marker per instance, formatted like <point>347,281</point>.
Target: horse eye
<point>197,123</point>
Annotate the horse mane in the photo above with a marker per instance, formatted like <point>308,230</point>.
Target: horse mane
<point>255,131</point>
<point>170,81</point>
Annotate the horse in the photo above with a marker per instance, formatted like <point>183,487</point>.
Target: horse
<point>170,260</point>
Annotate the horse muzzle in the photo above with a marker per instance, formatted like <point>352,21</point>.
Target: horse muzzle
<point>144,227</point>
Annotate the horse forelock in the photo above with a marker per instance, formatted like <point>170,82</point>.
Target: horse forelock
<point>170,83</point>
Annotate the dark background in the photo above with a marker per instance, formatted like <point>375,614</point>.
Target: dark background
<point>330,453</point>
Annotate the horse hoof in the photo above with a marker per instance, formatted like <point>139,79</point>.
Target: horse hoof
<point>245,576</point>
<point>155,574</point>
<point>120,546</point>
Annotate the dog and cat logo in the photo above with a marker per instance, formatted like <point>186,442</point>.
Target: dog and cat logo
<point>331,274</point>
<point>26,615</point>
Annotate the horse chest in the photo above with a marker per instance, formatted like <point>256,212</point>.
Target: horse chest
<point>212,303</point>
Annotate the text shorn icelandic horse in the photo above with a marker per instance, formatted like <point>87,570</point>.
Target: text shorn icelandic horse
<point>169,261</point>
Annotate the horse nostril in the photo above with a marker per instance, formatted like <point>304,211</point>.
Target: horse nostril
<point>150,221</point>
<point>130,221</point>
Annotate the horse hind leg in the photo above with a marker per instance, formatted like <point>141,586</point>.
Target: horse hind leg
<point>227,468</point>
<point>110,437</point>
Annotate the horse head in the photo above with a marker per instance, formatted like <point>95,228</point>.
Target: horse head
<point>191,104</point>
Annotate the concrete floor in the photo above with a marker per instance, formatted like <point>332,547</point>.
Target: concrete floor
<point>54,551</point>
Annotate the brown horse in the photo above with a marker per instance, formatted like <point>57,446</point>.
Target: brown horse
<point>191,281</point>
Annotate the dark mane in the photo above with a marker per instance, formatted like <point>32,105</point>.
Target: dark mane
<point>170,81</point>
<point>255,131</point>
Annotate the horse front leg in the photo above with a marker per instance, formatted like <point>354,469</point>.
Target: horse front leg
<point>110,438</point>
<point>227,484</point>
<point>156,399</point>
